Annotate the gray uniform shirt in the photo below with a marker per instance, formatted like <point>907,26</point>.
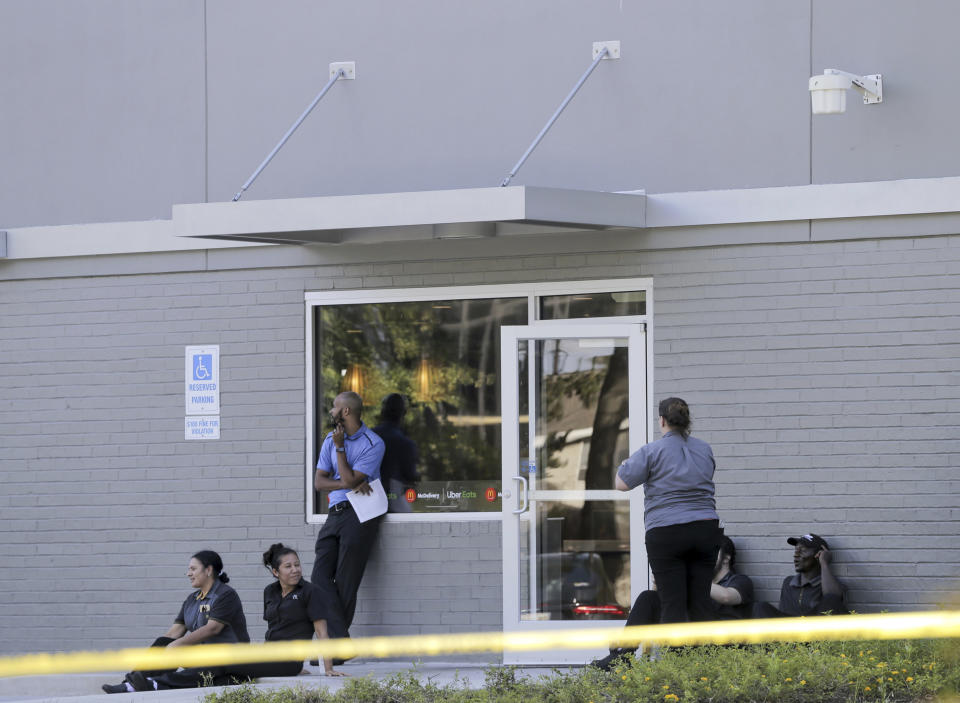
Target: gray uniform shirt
<point>677,478</point>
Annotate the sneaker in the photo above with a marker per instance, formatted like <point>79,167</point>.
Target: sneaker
<point>608,662</point>
<point>115,688</point>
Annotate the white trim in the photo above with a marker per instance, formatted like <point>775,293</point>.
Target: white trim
<point>506,290</point>
<point>149,236</point>
<point>809,202</point>
<point>398,295</point>
<point>308,417</point>
<point>921,196</point>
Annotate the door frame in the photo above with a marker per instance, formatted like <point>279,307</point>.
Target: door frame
<point>513,496</point>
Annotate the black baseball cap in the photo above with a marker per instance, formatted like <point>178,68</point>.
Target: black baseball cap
<point>810,540</point>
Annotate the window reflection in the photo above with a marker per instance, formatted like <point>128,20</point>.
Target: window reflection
<point>581,305</point>
<point>581,569</point>
<point>443,357</point>
<point>582,422</point>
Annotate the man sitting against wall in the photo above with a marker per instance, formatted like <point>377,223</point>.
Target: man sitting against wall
<point>731,594</point>
<point>813,590</point>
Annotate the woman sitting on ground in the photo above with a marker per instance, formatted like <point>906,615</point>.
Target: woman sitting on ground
<point>293,609</point>
<point>210,614</point>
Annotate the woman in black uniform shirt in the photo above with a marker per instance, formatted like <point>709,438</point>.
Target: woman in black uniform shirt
<point>212,613</point>
<point>293,609</point>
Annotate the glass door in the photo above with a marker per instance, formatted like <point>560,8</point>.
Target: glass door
<point>574,405</point>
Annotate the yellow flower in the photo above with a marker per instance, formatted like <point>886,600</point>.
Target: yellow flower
<point>803,682</point>
<point>842,655</point>
<point>788,679</point>
<point>704,678</point>
<point>894,672</point>
<point>844,663</point>
<point>763,676</point>
<point>671,697</point>
<point>646,678</point>
<point>861,652</point>
<point>909,679</point>
<point>889,679</point>
<point>624,677</point>
<point>866,688</point>
<point>666,687</point>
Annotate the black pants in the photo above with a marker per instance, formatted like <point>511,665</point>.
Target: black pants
<point>683,558</point>
<point>831,603</point>
<point>216,675</point>
<point>645,610</point>
<point>343,547</point>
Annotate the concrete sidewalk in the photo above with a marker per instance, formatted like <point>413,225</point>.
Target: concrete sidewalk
<point>85,688</point>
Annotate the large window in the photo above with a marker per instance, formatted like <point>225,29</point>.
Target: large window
<point>442,357</point>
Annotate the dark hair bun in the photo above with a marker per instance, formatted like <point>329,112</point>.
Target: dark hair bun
<point>272,557</point>
<point>223,577</point>
<point>676,413</point>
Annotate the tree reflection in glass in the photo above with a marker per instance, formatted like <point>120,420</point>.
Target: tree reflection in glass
<point>444,356</point>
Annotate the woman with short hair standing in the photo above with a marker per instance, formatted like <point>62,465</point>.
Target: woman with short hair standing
<point>680,515</point>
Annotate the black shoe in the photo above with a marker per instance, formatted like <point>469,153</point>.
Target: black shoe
<point>140,682</point>
<point>114,688</point>
<point>609,661</point>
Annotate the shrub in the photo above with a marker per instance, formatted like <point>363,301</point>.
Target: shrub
<point>823,672</point>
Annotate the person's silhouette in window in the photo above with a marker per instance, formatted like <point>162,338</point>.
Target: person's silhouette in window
<point>399,468</point>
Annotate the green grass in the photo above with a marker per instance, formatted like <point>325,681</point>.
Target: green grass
<point>825,672</point>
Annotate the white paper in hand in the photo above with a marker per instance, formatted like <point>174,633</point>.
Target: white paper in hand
<point>369,506</point>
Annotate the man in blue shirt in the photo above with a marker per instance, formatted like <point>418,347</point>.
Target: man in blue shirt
<point>349,459</point>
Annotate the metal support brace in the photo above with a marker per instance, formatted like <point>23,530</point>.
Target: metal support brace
<point>336,75</point>
<point>602,52</point>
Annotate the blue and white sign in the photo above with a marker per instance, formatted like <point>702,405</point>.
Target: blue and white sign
<point>202,381</point>
<point>201,427</point>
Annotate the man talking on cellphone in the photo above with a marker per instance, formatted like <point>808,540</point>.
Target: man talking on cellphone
<point>349,459</point>
<point>813,589</point>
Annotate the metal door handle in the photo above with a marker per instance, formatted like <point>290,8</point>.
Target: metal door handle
<point>526,502</point>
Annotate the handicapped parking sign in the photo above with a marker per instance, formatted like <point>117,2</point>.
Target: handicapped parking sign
<point>202,367</point>
<point>202,380</point>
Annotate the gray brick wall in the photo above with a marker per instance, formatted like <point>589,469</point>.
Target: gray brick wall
<point>824,374</point>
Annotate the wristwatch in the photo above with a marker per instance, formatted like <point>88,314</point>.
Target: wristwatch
<point>341,449</point>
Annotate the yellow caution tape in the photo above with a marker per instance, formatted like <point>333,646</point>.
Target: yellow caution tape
<point>933,624</point>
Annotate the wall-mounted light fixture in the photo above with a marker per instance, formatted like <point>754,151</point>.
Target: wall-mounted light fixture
<point>828,93</point>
